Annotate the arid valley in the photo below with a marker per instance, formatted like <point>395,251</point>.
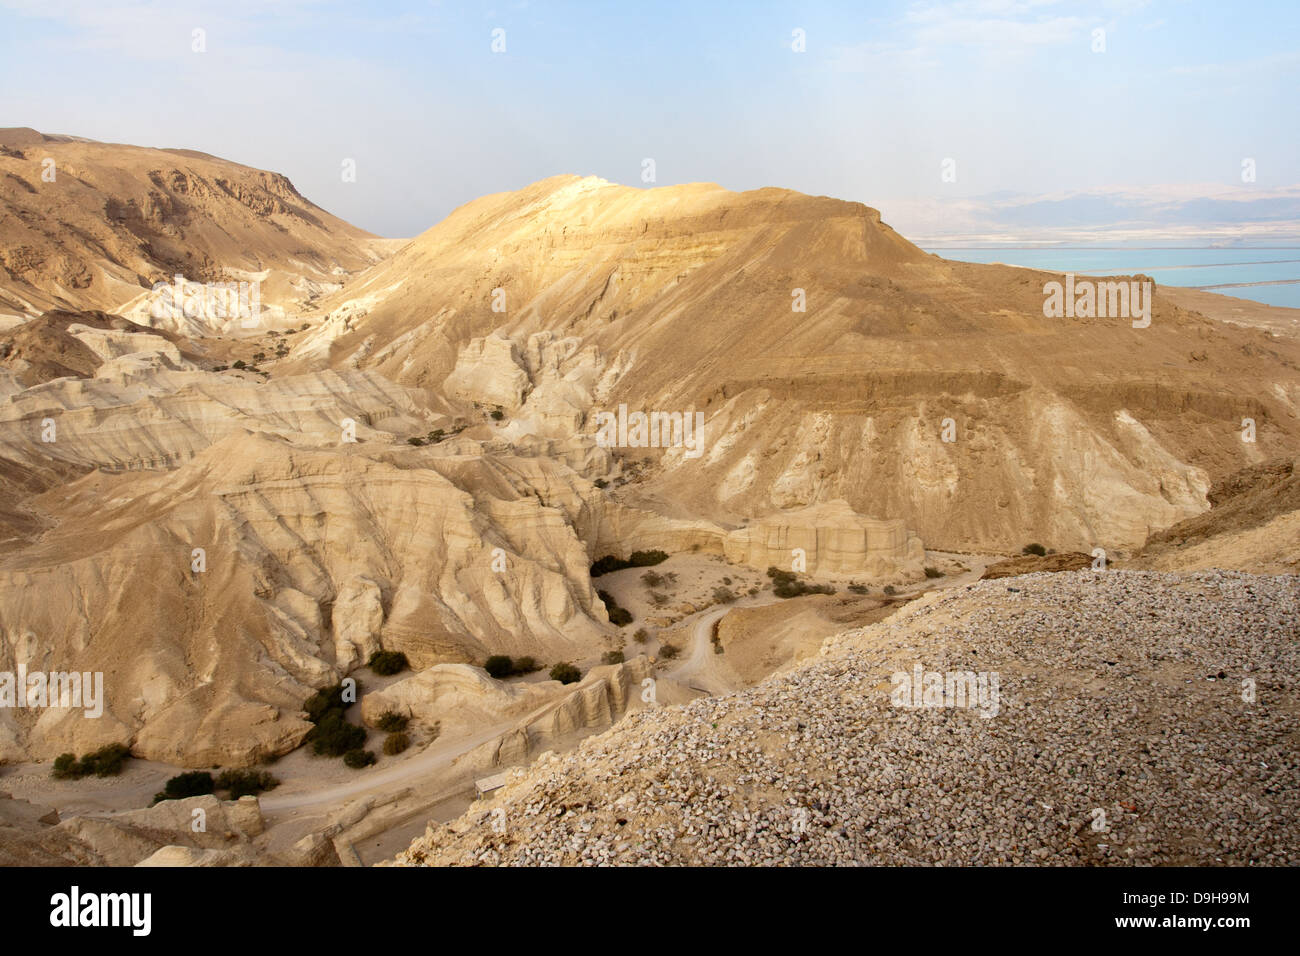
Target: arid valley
<point>422,452</point>
<point>541,435</point>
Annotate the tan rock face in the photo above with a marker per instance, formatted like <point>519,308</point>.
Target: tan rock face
<point>1033,564</point>
<point>833,538</point>
<point>315,552</point>
<point>119,218</point>
<point>913,388</point>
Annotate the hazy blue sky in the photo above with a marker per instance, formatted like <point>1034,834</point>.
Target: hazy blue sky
<point>1010,89</point>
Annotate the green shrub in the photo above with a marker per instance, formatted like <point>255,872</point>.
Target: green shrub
<point>1037,549</point>
<point>195,783</point>
<point>668,651</point>
<point>566,673</point>
<point>358,758</point>
<point>415,441</point>
<point>723,595</point>
<point>497,414</point>
<point>390,722</point>
<point>239,363</point>
<point>106,761</point>
<point>601,483</point>
<point>244,783</point>
<point>644,559</point>
<point>857,588</point>
<point>333,736</point>
<point>639,559</point>
<point>641,635</point>
<point>499,666</point>
<point>395,743</point>
<point>618,616</point>
<point>612,657</point>
<point>436,436</point>
<point>890,590</point>
<point>652,579</point>
<point>388,663</point>
<point>795,588</point>
<point>325,700</point>
<point>67,768</point>
<point>933,573</point>
<point>608,564</point>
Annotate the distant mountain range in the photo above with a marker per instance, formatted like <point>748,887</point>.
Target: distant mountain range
<point>1213,213</point>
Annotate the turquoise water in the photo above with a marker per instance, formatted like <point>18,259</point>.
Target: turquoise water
<point>1195,267</point>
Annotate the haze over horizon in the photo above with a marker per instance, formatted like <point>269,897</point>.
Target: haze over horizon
<point>433,118</point>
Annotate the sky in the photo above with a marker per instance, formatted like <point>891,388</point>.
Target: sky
<point>1016,93</point>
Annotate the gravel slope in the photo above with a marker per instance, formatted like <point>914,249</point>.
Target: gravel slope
<point>1120,706</point>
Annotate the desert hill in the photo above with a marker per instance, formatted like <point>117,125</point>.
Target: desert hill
<point>1078,432</point>
<point>1254,520</point>
<point>116,219</point>
<point>1141,726</point>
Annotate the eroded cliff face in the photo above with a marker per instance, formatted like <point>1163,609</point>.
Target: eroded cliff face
<point>913,388</point>
<point>93,225</point>
<point>226,549</point>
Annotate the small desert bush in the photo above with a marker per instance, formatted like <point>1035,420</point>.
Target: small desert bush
<point>391,723</point>
<point>786,584</point>
<point>668,651</point>
<point>395,743</point>
<point>333,736</point>
<point>641,635</point>
<point>890,590</point>
<point>638,559</point>
<point>565,673</point>
<point>107,761</point>
<point>612,657</point>
<point>387,663</point>
<point>618,616</point>
<point>244,783</point>
<point>933,573</point>
<point>326,700</point>
<point>195,783</point>
<point>358,758</point>
<point>500,666</point>
<point>1037,549</point>
<point>723,595</point>
<point>652,579</point>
